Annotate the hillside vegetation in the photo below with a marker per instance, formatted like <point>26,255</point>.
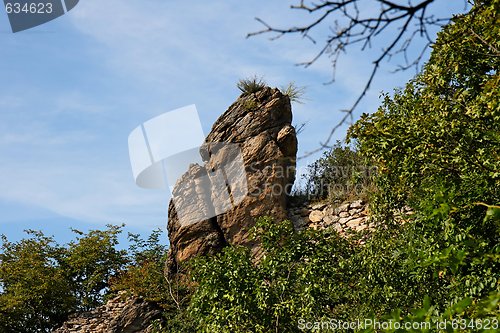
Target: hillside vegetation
<point>436,147</point>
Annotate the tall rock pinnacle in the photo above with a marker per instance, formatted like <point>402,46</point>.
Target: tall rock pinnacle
<point>249,168</point>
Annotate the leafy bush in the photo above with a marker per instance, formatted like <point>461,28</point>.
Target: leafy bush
<point>144,277</point>
<point>143,274</point>
<point>290,282</point>
<point>341,174</point>
<point>42,282</point>
<point>436,145</point>
<point>35,293</point>
<point>90,262</point>
<point>317,276</point>
<point>443,129</point>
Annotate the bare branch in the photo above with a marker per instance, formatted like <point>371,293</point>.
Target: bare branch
<point>352,26</point>
<point>489,45</point>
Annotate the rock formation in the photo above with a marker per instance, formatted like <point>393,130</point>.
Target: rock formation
<point>249,167</point>
<point>118,315</point>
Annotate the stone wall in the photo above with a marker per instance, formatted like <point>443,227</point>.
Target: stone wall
<point>347,218</point>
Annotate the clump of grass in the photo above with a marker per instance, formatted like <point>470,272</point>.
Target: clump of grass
<point>294,92</point>
<point>251,85</point>
<point>250,104</point>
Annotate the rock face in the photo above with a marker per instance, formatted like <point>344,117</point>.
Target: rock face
<point>249,167</point>
<point>132,315</point>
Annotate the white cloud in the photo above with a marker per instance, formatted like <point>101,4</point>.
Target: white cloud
<point>82,192</point>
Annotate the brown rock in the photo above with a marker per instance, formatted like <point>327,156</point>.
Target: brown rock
<point>342,208</point>
<point>357,204</point>
<point>329,211</point>
<point>361,227</point>
<point>132,315</point>
<point>316,216</point>
<point>355,211</point>
<point>344,214</point>
<point>344,220</point>
<point>249,167</point>
<point>329,219</point>
<point>356,222</point>
<point>338,227</point>
<point>318,206</point>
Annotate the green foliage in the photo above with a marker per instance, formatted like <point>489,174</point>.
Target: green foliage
<point>436,146</point>
<point>250,104</point>
<point>43,282</point>
<point>443,129</point>
<point>316,276</point>
<point>90,262</point>
<point>251,85</point>
<point>35,293</point>
<point>341,174</point>
<point>289,283</point>
<point>143,275</point>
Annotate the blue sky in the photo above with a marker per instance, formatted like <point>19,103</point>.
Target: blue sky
<point>73,89</point>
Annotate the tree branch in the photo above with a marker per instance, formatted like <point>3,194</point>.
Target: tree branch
<point>367,29</point>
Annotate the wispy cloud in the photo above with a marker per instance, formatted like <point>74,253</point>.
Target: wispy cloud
<point>65,119</point>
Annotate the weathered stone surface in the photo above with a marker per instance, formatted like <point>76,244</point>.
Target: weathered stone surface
<point>338,227</point>
<point>347,220</point>
<point>361,227</point>
<point>319,206</point>
<point>344,220</point>
<point>344,214</point>
<point>329,211</point>
<point>355,222</point>
<point>342,208</point>
<point>199,220</point>
<point>118,315</point>
<point>316,216</point>
<point>330,219</point>
<point>357,204</point>
<point>192,234</point>
<point>355,211</point>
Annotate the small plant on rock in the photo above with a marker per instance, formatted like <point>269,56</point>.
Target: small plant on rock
<point>251,85</point>
<point>294,92</point>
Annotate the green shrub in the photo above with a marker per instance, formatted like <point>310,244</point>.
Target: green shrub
<point>42,282</point>
<point>143,275</point>
<point>341,174</point>
<point>289,283</point>
<point>436,145</point>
